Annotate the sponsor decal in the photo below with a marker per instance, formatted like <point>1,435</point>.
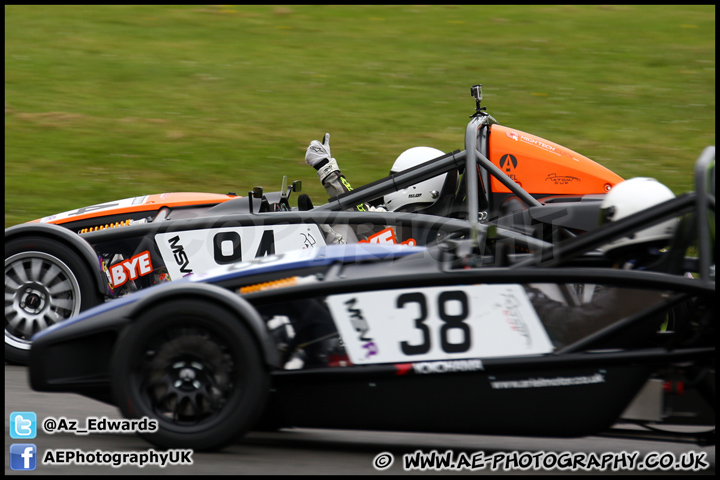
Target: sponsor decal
<point>511,310</point>
<point>180,256</point>
<point>549,382</point>
<point>308,240</point>
<point>537,143</point>
<point>360,207</point>
<point>519,137</point>
<point>448,366</point>
<point>508,163</point>
<point>137,266</point>
<point>361,326</point>
<point>567,154</point>
<point>387,237</point>
<point>561,179</point>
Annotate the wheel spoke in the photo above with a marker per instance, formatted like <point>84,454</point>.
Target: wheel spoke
<point>188,408</point>
<point>64,286</point>
<point>177,409</point>
<point>157,382</point>
<point>50,275</point>
<point>27,328</point>
<point>35,268</point>
<point>15,321</point>
<point>64,303</point>
<point>10,283</point>
<point>196,403</point>
<point>20,272</point>
<point>41,323</point>
<point>52,317</point>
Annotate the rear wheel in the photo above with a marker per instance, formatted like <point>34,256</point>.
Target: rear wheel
<point>46,282</point>
<point>196,369</point>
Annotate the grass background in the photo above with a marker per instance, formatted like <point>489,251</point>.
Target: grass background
<point>108,102</point>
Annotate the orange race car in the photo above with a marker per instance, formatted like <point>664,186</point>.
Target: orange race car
<point>531,190</point>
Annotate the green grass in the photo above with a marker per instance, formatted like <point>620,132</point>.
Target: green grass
<point>108,102</point>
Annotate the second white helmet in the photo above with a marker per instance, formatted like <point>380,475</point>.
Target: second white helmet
<point>421,194</point>
<point>632,196</point>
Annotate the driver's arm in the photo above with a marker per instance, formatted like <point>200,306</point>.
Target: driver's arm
<point>318,156</point>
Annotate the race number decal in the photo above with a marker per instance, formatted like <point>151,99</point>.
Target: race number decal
<point>197,251</point>
<point>438,323</point>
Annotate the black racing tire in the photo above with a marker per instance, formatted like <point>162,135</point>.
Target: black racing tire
<point>46,282</point>
<point>195,368</point>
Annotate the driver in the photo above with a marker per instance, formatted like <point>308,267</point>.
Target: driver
<point>568,323</point>
<point>410,199</point>
<point>319,157</point>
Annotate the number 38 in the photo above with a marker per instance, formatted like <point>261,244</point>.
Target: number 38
<point>450,322</point>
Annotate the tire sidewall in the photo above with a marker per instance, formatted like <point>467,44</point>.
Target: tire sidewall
<point>243,408</point>
<point>89,296</point>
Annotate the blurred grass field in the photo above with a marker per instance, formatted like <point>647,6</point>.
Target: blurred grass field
<point>109,102</point>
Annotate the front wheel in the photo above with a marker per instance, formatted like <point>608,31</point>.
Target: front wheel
<point>46,282</point>
<point>195,368</point>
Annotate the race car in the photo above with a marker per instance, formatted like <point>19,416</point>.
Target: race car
<point>62,264</point>
<point>462,336</point>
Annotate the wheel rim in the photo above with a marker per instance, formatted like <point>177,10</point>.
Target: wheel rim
<point>40,290</point>
<point>187,377</point>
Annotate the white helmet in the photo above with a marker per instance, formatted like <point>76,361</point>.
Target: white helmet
<point>421,194</point>
<point>632,196</point>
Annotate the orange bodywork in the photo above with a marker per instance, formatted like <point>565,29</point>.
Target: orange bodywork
<point>149,203</point>
<point>543,167</point>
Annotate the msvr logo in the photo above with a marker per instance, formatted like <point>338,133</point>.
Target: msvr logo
<point>180,256</point>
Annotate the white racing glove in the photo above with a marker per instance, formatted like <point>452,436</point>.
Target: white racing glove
<point>318,152</point>
<point>319,157</point>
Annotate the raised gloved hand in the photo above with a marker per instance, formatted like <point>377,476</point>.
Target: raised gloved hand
<point>318,156</point>
<point>317,152</point>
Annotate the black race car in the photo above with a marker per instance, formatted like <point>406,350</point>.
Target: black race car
<point>467,336</point>
<point>65,263</point>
